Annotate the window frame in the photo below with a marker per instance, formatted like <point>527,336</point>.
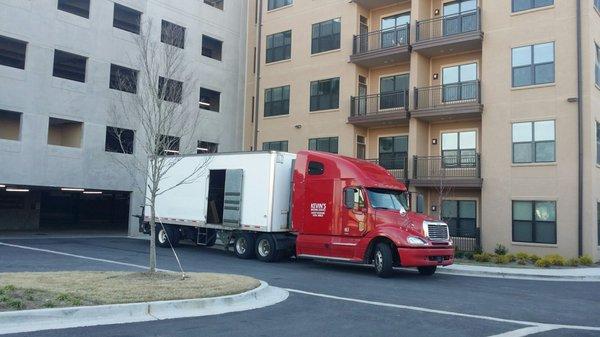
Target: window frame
<point>459,163</point>
<point>210,91</point>
<point>533,6</point>
<point>277,145</point>
<point>397,159</point>
<point>113,84</point>
<point>205,147</point>
<point>597,68</point>
<point>207,39</point>
<point>533,143</point>
<point>270,103</point>
<point>21,50</point>
<point>127,10</point>
<point>123,148</point>
<point>533,65</point>
<point>64,5</point>
<point>163,37</point>
<point>597,142</point>
<point>534,222</point>
<point>164,81</point>
<point>272,4</point>
<point>336,42</point>
<point>171,141</point>
<point>330,142</point>
<point>215,4</point>
<point>287,48</point>
<point>62,53</point>
<point>458,217</point>
<point>333,102</point>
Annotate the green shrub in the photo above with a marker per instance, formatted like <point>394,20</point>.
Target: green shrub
<point>15,304</point>
<point>500,250</point>
<point>522,256</point>
<point>9,288</point>
<point>522,261</point>
<point>483,257</point>
<point>543,263</point>
<point>469,255</point>
<point>533,258</point>
<point>511,257</point>
<point>49,304</point>
<point>573,262</point>
<point>586,260</point>
<point>556,260</point>
<point>501,259</point>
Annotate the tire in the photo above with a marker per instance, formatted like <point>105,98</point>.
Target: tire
<point>427,271</point>
<point>166,234</point>
<point>243,246</point>
<point>383,260</point>
<point>266,248</point>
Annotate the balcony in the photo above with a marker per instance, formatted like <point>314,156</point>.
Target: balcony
<point>383,47</point>
<point>449,34</point>
<point>372,4</point>
<point>380,109</point>
<point>447,172</point>
<point>452,101</point>
<point>398,167</point>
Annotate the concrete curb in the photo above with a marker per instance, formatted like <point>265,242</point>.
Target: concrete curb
<point>62,318</point>
<point>575,275</point>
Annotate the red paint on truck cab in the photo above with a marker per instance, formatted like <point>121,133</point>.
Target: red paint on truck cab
<point>327,228</point>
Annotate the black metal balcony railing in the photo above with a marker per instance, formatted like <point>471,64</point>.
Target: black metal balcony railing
<point>447,94</point>
<point>398,167</point>
<point>449,25</point>
<point>381,39</point>
<point>379,103</point>
<point>446,167</point>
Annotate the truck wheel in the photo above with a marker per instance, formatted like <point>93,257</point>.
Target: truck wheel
<point>383,260</point>
<point>166,234</point>
<point>265,248</point>
<point>427,271</point>
<point>243,246</point>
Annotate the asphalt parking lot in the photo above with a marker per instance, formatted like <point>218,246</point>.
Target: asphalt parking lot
<point>328,299</point>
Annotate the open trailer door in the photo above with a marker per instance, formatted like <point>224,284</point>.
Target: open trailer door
<point>232,204</point>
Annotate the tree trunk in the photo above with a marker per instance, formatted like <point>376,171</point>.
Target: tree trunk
<point>152,237</point>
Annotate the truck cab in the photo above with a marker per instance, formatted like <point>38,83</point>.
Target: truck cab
<point>350,210</point>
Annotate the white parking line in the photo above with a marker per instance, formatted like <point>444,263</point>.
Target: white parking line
<point>532,326</point>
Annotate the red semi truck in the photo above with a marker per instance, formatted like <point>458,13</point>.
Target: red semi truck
<point>312,205</point>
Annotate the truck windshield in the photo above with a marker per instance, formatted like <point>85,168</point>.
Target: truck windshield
<point>387,199</point>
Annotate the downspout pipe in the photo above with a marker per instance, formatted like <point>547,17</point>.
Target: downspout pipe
<point>580,130</point>
<point>259,4</point>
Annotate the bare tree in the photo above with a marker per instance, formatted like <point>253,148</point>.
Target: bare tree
<point>155,101</point>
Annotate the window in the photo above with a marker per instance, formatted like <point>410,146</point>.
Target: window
<point>12,52</point>
<point>394,30</point>
<point>459,83</point>
<point>279,46</point>
<point>77,7</point>
<point>597,4</point>
<point>533,142</point>
<point>459,149</point>
<point>69,66</point>
<point>598,221</point>
<point>123,79</point>
<point>210,99</point>
<point>326,36</point>
<point>275,146</point>
<point>172,34</point>
<point>598,63</point>
<point>274,4</point>
<point>10,125</point>
<point>277,101</point>
<point>393,91</point>
<point>598,143</point>
<point>315,168</point>
<point>211,47</point>
<point>127,19</point>
<point>325,94</point>
<point>119,140</point>
<point>533,64</point>
<point>523,5</point>
<point>327,144</point>
<point>460,17</point>
<point>461,217</point>
<point>170,90</point>
<point>393,152</point>
<point>215,3</point>
<point>534,221</point>
<point>361,147</point>
<point>167,145</point>
<point>207,147</point>
<point>62,132</point>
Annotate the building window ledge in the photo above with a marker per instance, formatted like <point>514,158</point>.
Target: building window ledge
<point>276,117</point>
<point>535,86</point>
<point>538,9</point>
<point>534,244</point>
<point>280,8</point>
<point>278,62</point>
<point>326,52</point>
<point>324,111</point>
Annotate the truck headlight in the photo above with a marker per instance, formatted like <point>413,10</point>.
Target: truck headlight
<point>416,241</point>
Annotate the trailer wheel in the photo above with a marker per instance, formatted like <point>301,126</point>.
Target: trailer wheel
<point>383,260</point>
<point>243,245</point>
<point>166,233</point>
<point>266,249</point>
<point>427,271</point>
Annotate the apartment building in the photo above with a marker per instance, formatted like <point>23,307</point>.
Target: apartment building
<point>490,109</point>
<point>58,59</point>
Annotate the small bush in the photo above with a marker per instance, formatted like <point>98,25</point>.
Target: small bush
<point>543,263</point>
<point>573,262</point>
<point>483,257</point>
<point>15,304</point>
<point>556,260</point>
<point>501,259</point>
<point>511,257</point>
<point>49,304</point>
<point>586,260</point>
<point>500,250</point>
<point>9,288</point>
<point>533,258</point>
<point>522,261</point>
<point>469,255</point>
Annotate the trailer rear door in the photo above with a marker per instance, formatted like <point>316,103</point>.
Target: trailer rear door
<point>233,198</point>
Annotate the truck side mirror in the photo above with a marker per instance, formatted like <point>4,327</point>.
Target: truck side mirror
<point>420,203</point>
<point>349,198</point>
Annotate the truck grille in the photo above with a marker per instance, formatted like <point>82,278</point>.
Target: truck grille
<point>437,231</point>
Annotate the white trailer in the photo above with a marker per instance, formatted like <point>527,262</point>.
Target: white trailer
<point>243,198</point>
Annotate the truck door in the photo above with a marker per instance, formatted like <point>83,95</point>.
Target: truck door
<point>353,225</point>
<point>232,204</point>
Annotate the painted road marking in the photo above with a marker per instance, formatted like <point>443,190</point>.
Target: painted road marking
<point>537,325</point>
<point>526,331</point>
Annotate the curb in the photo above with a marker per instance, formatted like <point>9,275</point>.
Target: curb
<point>520,276</point>
<point>62,318</point>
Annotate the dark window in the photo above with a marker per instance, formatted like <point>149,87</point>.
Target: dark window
<point>69,66</point>
<point>12,52</point>
<point>10,125</point>
<point>215,3</point>
<point>393,91</point>
<point>598,221</point>
<point>326,36</point>
<point>123,79</point>
<point>461,217</point>
<point>172,34</point>
<point>275,146</point>
<point>598,63</point>
<point>533,142</point>
<point>273,4</point>
<point>315,168</point>
<point>279,46</point>
<point>327,144</point>
<point>170,90</point>
<point>523,5</point>
<point>393,152</point>
<point>598,143</point>
<point>533,64</point>
<point>207,147</point>
<point>119,140</point>
<point>167,145</point>
<point>534,221</point>
<point>212,48</point>
<point>127,19</point>
<point>361,147</point>
<point>77,7</point>
<point>277,101</point>
<point>210,99</point>
<point>459,149</point>
<point>325,94</point>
